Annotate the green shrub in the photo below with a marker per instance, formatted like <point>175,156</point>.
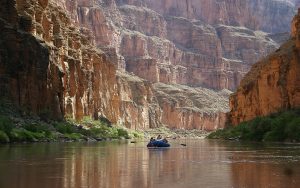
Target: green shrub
<point>218,134</point>
<point>136,134</point>
<point>22,135</point>
<point>86,132</point>
<point>32,127</point>
<point>38,128</point>
<point>122,133</point>
<point>6,125</point>
<point>258,128</point>
<point>73,136</point>
<point>87,120</point>
<point>283,126</point>
<point>3,137</point>
<point>39,135</point>
<point>94,131</point>
<point>65,127</point>
<point>292,130</point>
<point>51,136</point>
<point>276,134</point>
<point>112,133</point>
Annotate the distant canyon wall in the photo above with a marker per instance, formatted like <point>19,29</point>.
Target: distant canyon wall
<point>271,16</point>
<point>202,43</point>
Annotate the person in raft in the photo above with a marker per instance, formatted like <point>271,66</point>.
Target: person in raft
<point>159,137</point>
<point>158,143</point>
<point>165,140</point>
<point>150,144</point>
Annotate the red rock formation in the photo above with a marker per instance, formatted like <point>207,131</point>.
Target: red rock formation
<point>61,74</point>
<point>272,84</point>
<point>65,74</point>
<point>183,42</point>
<point>50,63</point>
<point>139,108</point>
<point>253,14</point>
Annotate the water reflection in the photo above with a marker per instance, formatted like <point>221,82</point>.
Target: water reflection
<point>267,167</point>
<point>116,164</point>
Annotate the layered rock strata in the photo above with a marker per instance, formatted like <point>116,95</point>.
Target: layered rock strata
<point>49,63</point>
<point>272,85</point>
<point>185,107</point>
<point>197,43</point>
<point>253,14</point>
<point>50,66</point>
<point>139,108</point>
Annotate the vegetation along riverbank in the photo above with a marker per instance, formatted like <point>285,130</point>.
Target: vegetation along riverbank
<point>279,127</point>
<point>18,126</point>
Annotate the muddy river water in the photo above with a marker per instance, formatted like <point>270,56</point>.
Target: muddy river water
<point>118,164</point>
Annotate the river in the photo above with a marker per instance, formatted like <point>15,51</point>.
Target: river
<point>121,164</point>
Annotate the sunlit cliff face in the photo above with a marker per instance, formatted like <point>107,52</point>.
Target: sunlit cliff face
<point>272,85</point>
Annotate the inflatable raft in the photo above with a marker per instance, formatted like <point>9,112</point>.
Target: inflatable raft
<point>158,144</point>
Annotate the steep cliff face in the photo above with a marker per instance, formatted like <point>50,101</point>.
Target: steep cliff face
<point>272,84</point>
<point>208,44</point>
<point>23,57</point>
<point>49,62</point>
<point>197,43</point>
<point>139,108</point>
<point>48,65</point>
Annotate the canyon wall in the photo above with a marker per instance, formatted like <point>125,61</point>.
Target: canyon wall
<point>72,57</point>
<point>272,85</point>
<point>195,42</point>
<point>50,66</point>
<point>253,14</point>
<point>185,107</point>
